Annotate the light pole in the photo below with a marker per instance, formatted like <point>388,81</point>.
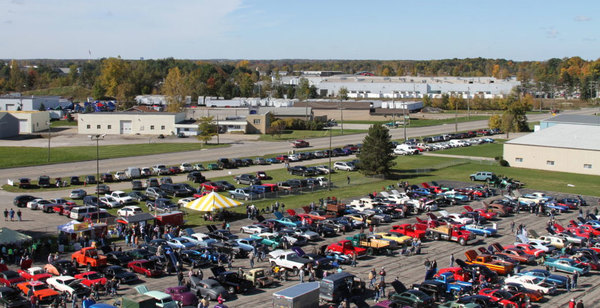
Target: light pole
<point>468,103</point>
<point>97,138</point>
<point>49,136</point>
<point>456,116</point>
<point>329,182</point>
<point>404,105</point>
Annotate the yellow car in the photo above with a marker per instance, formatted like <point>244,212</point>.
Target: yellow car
<point>401,239</point>
<point>358,217</point>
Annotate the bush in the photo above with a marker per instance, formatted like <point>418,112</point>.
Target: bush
<point>504,163</point>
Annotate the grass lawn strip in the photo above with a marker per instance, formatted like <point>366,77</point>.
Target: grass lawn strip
<point>307,134</point>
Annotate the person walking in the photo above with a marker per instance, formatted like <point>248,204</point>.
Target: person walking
<point>251,257</point>
<point>353,264</point>
<point>382,289</point>
<point>301,274</point>
<point>348,178</point>
<point>11,213</point>
<point>19,214</point>
<point>372,278</point>
<point>572,303</point>
<point>575,277</point>
<point>376,293</point>
<point>579,304</point>
<point>5,214</point>
<point>452,260</point>
<point>568,284</point>
<point>382,274</point>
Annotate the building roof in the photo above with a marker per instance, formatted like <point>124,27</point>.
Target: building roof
<point>142,108</point>
<point>575,119</point>
<point>286,111</point>
<point>582,137</point>
<point>131,112</point>
<point>5,116</point>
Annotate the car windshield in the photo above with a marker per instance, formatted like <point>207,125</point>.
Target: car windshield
<point>93,276</point>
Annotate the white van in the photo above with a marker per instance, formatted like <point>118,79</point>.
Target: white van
<point>80,212</point>
<point>133,173</point>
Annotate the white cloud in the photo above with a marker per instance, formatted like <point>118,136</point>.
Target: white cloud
<point>582,18</point>
<point>552,33</point>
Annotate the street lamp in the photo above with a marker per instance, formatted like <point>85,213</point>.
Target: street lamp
<point>97,138</point>
<point>49,130</point>
<point>329,182</point>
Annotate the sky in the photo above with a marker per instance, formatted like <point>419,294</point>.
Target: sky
<point>520,30</point>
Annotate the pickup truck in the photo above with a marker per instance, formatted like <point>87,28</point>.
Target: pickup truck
<point>346,247</point>
<point>89,257</point>
<point>288,259</point>
<point>500,267</point>
<point>121,196</point>
<point>450,233</point>
<point>243,193</point>
<point>375,244</point>
<point>230,280</point>
<point>453,286</point>
<point>258,277</point>
<point>416,231</point>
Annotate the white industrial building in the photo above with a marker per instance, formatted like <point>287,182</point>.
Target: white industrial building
<point>562,147</point>
<point>401,87</point>
<point>130,123</point>
<point>16,102</point>
<point>32,121</point>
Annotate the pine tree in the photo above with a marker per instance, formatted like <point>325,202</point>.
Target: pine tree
<point>376,155</point>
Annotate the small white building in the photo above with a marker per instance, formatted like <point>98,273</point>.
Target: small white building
<point>130,123</point>
<point>32,121</point>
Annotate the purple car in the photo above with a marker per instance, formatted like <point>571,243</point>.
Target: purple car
<point>183,294</point>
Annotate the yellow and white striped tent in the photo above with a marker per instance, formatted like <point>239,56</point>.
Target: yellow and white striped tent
<point>210,202</point>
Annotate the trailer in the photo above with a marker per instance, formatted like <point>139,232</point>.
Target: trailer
<point>302,295</point>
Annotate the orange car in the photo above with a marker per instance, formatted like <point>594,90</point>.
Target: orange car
<point>41,290</point>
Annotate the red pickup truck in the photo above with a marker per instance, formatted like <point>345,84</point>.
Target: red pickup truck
<point>415,231</point>
<point>89,257</point>
<point>345,247</point>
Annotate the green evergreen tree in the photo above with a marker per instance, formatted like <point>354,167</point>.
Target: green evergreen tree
<point>376,155</point>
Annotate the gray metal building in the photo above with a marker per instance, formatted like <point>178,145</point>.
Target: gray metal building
<point>9,125</point>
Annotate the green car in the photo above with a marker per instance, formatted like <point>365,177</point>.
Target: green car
<point>213,167</point>
<point>269,239</point>
<point>454,304</point>
<point>413,298</point>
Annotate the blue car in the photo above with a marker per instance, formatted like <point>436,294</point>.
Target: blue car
<point>272,160</point>
<point>180,243</point>
<point>558,207</point>
<point>558,280</point>
<point>247,243</point>
<point>480,230</point>
<point>566,265</point>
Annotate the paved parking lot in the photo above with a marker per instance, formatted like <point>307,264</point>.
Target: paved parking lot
<point>409,269</point>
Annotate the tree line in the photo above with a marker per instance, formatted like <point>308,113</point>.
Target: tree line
<point>124,79</point>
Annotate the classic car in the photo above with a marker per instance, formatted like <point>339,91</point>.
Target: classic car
<point>566,265</point>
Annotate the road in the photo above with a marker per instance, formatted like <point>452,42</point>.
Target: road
<point>240,148</point>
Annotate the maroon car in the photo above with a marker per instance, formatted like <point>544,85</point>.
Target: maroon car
<point>183,295</point>
<point>145,267</point>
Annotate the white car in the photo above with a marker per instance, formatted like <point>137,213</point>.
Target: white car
<point>323,169</point>
<point>33,204</point>
<point>69,285</point>
<point>458,218</point>
<point>207,242</point>
<point>532,283</point>
<point>183,201</point>
<point>186,167</point>
<point>109,202</point>
<point>254,229</point>
<point>121,176</point>
<point>121,197</point>
<point>294,157</point>
<point>40,204</point>
<point>129,210</point>
<point>344,165</point>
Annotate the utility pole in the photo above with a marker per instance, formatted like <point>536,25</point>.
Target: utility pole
<point>217,129</point>
<point>97,139</point>
<point>329,181</point>
<point>49,136</point>
<point>404,120</point>
<point>456,117</point>
<point>468,103</point>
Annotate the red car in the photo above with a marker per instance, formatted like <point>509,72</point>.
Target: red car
<point>174,170</point>
<point>483,213</point>
<point>345,247</point>
<point>281,158</point>
<point>64,209</point>
<point>211,186</point>
<point>299,143</point>
<point>528,249</point>
<point>505,298</point>
<point>458,272</point>
<point>10,278</point>
<point>35,273</point>
<point>585,261</point>
<point>586,229</point>
<point>91,278</point>
<point>145,267</point>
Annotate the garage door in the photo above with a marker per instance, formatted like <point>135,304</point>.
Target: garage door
<point>125,127</point>
<point>24,126</point>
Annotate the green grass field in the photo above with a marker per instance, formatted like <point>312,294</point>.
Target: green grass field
<point>482,150</point>
<point>31,156</point>
<point>306,134</point>
<point>63,123</point>
<point>414,169</point>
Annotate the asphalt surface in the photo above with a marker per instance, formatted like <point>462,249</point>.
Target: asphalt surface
<point>238,148</point>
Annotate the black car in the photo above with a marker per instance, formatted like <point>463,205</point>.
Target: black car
<point>137,254</point>
<point>225,163</point>
<point>207,288</point>
<point>11,298</point>
<point>247,162</point>
<point>24,183</point>
<point>196,177</point>
<point>90,179</point>
<point>229,247</point>
<point>237,162</point>
<point>120,273</point>
<point>175,190</point>
<point>137,185</point>
<point>65,267</point>
<point>107,178</point>
<point>322,229</point>
<point>193,258</point>
<point>433,288</point>
<point>138,196</point>
<point>222,235</point>
<point>74,180</point>
<point>226,185</point>
<point>21,201</point>
<point>230,280</point>
<point>118,258</point>
<point>247,179</point>
<point>44,181</point>
<point>297,170</point>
